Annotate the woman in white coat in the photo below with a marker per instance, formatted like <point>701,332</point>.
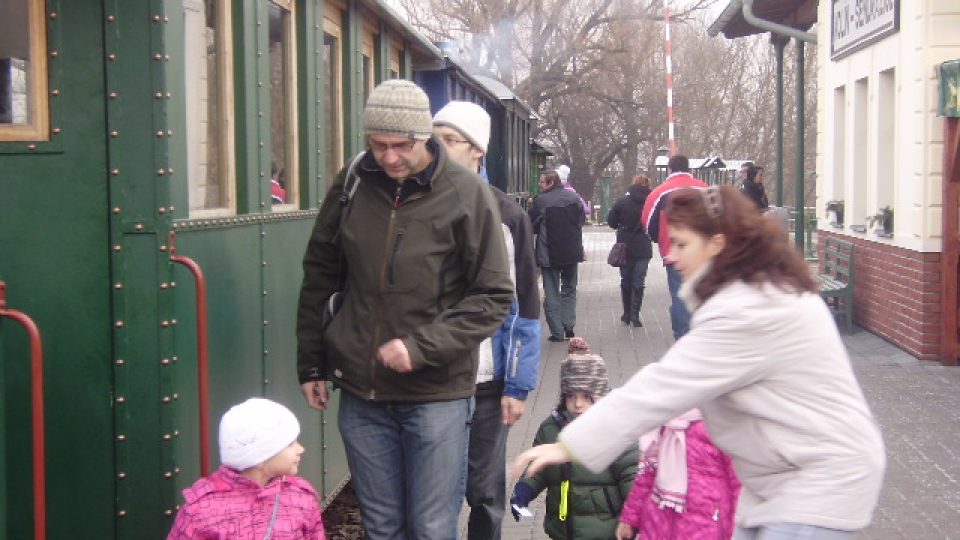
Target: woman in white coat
<point>765,363</point>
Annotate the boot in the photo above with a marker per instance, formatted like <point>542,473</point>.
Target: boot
<point>626,294</point>
<point>635,304</point>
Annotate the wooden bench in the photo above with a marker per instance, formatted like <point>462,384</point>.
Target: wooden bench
<point>837,278</point>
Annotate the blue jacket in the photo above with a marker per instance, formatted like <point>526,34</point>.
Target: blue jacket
<point>516,344</point>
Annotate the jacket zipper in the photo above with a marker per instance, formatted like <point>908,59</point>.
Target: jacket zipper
<point>515,360</point>
<point>387,261</point>
<point>383,272</point>
<point>392,281</point>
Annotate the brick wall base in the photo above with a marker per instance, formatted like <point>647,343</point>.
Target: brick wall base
<point>897,294</point>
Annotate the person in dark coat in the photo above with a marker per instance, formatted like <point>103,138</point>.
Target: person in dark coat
<point>749,186</point>
<point>625,218</point>
<point>557,217</point>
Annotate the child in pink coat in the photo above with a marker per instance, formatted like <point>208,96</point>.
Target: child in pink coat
<point>685,488</point>
<point>254,495</point>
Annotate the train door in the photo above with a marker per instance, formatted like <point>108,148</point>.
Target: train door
<point>54,260</point>
<point>253,151</point>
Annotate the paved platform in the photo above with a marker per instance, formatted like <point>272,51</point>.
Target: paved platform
<point>917,404</point>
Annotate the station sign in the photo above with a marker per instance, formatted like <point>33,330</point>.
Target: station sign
<point>854,24</point>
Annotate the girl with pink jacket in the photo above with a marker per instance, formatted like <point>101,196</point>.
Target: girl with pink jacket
<point>254,495</point>
<point>685,487</point>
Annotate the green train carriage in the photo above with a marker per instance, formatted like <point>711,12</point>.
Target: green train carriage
<point>129,128</point>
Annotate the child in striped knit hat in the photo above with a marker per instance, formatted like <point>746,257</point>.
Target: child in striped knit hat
<point>579,504</point>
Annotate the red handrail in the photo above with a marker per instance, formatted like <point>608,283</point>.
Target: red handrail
<point>39,425</point>
<point>203,372</point>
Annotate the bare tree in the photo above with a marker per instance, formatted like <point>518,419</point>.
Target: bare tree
<point>589,68</point>
<point>593,72</point>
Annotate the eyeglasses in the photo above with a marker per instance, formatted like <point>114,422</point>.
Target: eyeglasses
<point>400,147</point>
<point>448,140</point>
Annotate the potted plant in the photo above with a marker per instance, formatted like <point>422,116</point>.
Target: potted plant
<point>883,218</point>
<point>836,208</point>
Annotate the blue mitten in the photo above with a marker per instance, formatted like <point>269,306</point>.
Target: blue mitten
<point>522,495</point>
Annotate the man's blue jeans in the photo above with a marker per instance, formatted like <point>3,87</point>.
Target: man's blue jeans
<point>486,480</point>
<point>792,531</point>
<point>560,298</point>
<point>679,316</point>
<point>407,464</point>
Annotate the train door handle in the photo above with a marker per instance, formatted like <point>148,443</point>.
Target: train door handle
<point>38,421</point>
<point>203,370</point>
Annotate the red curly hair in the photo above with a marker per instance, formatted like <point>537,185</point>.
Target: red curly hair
<point>755,251</point>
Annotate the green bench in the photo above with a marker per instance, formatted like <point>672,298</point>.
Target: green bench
<point>837,278</point>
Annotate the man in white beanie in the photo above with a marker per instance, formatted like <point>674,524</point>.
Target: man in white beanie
<point>412,240</point>
<point>509,360</point>
<point>563,172</point>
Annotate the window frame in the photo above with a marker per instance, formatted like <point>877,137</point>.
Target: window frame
<point>39,128</point>
<point>226,156</point>
<point>332,28</point>
<point>394,69</point>
<point>291,139</point>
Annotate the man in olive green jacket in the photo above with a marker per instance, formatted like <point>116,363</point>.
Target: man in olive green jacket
<point>418,251</point>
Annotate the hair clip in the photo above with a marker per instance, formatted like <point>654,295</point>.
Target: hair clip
<point>713,200</point>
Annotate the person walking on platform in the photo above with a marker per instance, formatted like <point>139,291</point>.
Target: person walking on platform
<point>563,172</point>
<point>765,364</point>
<point>509,360</point>
<point>413,245</point>
<point>750,187</point>
<point>557,217</point>
<point>625,218</point>
<point>655,221</point>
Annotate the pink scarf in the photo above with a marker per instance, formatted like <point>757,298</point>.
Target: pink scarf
<point>666,449</point>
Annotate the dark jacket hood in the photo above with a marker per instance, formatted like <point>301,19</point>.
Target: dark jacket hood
<point>638,193</point>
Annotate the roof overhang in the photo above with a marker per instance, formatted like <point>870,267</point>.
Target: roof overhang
<point>798,15</point>
<point>424,52</point>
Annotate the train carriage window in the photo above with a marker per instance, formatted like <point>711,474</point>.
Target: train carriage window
<point>367,77</point>
<point>283,112</point>
<point>394,63</point>
<point>332,103</point>
<point>367,84</point>
<point>24,112</point>
<point>209,102</point>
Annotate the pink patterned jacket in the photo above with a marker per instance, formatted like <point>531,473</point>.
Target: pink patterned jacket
<point>226,505</point>
<point>712,492</point>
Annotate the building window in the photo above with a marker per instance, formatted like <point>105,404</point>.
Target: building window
<point>839,143</point>
<point>859,146</point>
<point>24,111</point>
<point>332,102</point>
<point>209,102</point>
<point>283,112</point>
<point>886,136</point>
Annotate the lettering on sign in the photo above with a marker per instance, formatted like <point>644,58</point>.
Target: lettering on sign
<point>857,23</point>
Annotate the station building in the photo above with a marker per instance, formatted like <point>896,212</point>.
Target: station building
<point>885,150</point>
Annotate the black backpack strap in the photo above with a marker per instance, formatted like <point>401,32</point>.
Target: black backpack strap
<point>350,184</point>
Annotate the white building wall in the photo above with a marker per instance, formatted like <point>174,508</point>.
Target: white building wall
<point>879,141</point>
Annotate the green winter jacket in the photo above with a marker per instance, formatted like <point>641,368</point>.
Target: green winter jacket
<point>594,500</point>
<point>431,270</point>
